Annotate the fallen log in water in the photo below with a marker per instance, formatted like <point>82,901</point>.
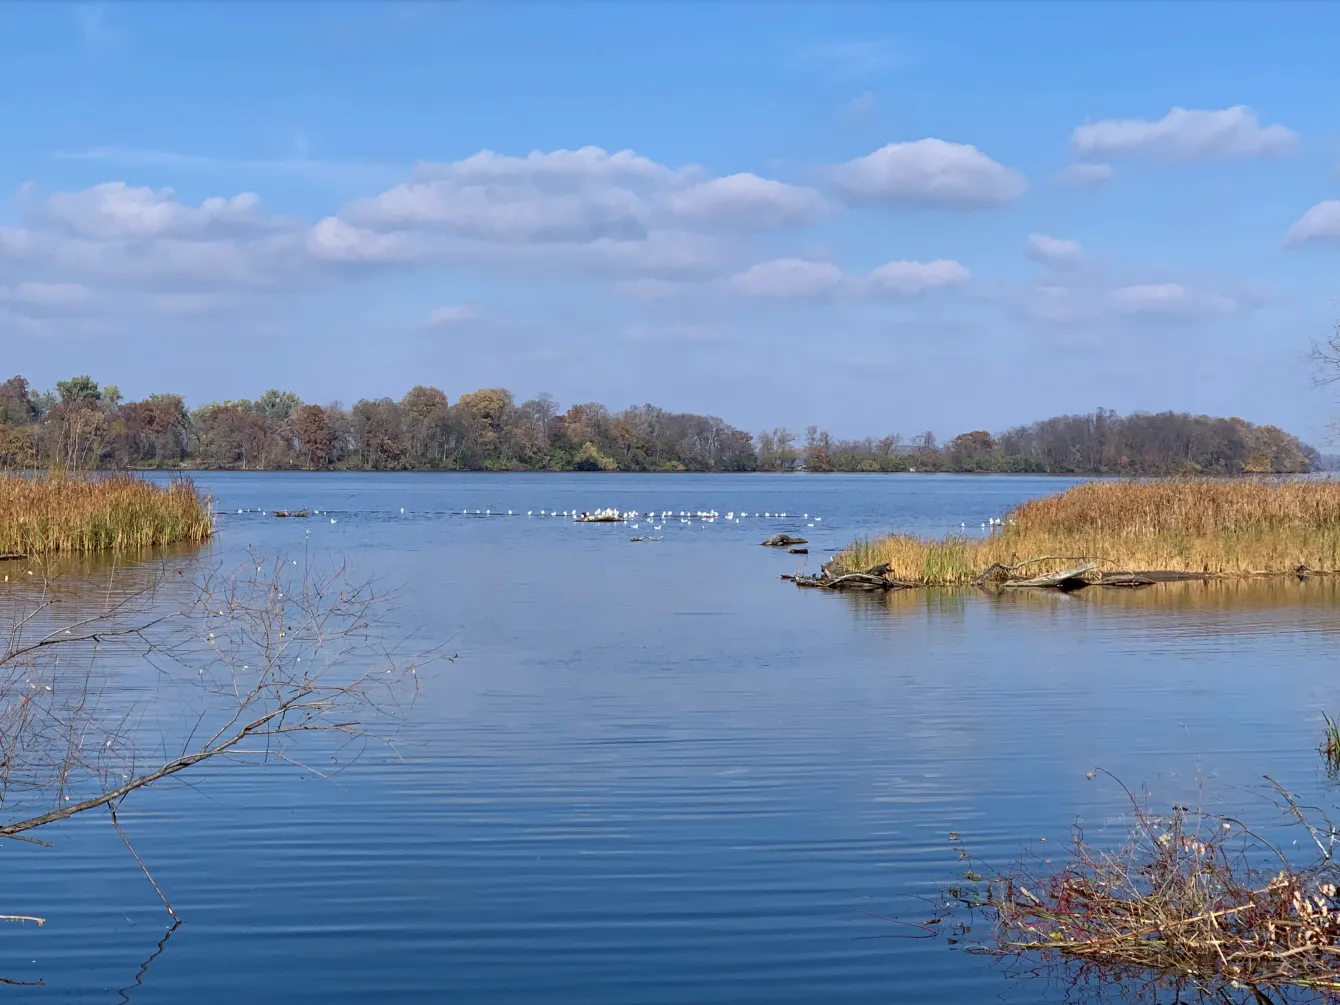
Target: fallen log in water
<point>783,541</point>
<point>12,556</point>
<point>1065,579</point>
<point>833,577</point>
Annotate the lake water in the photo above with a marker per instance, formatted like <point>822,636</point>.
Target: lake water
<point>658,774</point>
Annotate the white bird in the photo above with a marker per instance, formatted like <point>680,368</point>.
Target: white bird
<point>817,519</point>
<point>509,512</point>
<point>811,525</point>
<point>528,512</point>
<point>402,509</point>
<point>332,519</point>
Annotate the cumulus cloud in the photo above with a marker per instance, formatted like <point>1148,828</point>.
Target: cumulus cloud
<point>906,279</point>
<point>928,172</point>
<point>334,240</point>
<point>748,202</point>
<point>1320,223</point>
<point>1089,301</point>
<point>1169,300</point>
<point>498,212</point>
<point>1185,134</point>
<point>115,210</point>
<point>1056,251</point>
<point>587,164</point>
<point>1083,175</point>
<point>789,278</point>
<point>450,316</point>
<point>796,278</point>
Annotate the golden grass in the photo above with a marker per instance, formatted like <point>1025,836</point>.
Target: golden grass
<point>67,513</point>
<point>1237,527</point>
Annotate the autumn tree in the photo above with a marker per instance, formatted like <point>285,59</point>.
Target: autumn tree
<point>314,435</point>
<point>426,418</point>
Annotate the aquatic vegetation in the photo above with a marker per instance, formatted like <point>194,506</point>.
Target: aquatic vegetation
<point>1330,745</point>
<point>1191,901</point>
<point>70,513</point>
<point>1214,527</point>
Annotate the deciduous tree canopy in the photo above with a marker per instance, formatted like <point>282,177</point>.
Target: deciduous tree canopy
<point>83,425</point>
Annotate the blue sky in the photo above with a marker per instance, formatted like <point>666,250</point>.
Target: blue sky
<point>872,217</point>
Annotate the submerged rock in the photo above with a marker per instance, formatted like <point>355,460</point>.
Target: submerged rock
<point>783,541</point>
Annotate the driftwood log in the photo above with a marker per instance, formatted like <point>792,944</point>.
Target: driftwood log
<point>12,556</point>
<point>833,577</point>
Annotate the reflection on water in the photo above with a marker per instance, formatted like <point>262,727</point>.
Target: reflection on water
<point>659,774</point>
<point>1171,599</point>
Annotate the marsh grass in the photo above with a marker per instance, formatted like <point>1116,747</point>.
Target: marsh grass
<point>1238,527</point>
<point>68,513</point>
<point>1330,745</point>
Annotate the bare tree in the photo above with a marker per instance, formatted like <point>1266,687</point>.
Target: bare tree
<point>252,662</point>
<point>1325,357</point>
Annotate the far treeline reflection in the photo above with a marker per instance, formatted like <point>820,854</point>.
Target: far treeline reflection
<point>83,425</point>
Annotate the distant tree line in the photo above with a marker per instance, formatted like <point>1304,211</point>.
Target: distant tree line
<point>82,425</point>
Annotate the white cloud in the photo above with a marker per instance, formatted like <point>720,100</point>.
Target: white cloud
<point>1320,223</point>
<point>1054,250</point>
<point>789,278</point>
<point>1083,175</point>
<point>1185,134</point>
<point>587,164</point>
<point>46,294</point>
<point>114,210</point>
<point>795,278</point>
<point>504,212</point>
<point>929,171</point>
<point>905,279</point>
<point>748,202</point>
<point>333,240</point>
<point>451,315</point>
<point>1169,300</point>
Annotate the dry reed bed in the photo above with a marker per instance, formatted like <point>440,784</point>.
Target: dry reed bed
<point>1238,527</point>
<point>1192,901</point>
<point>67,513</point>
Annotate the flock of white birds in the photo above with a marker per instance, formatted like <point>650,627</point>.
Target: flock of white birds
<point>655,518</point>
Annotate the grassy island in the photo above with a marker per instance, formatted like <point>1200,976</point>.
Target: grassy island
<point>70,513</point>
<point>1210,527</point>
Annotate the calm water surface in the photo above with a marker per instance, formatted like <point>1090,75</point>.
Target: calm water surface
<point>657,773</point>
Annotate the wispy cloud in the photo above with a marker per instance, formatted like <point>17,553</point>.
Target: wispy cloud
<point>451,316</point>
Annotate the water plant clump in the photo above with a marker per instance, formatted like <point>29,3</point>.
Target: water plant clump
<point>1191,901</point>
<point>75,513</point>
<point>1330,745</point>
<point>1100,530</point>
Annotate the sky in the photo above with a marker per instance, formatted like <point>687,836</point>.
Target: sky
<point>872,217</point>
